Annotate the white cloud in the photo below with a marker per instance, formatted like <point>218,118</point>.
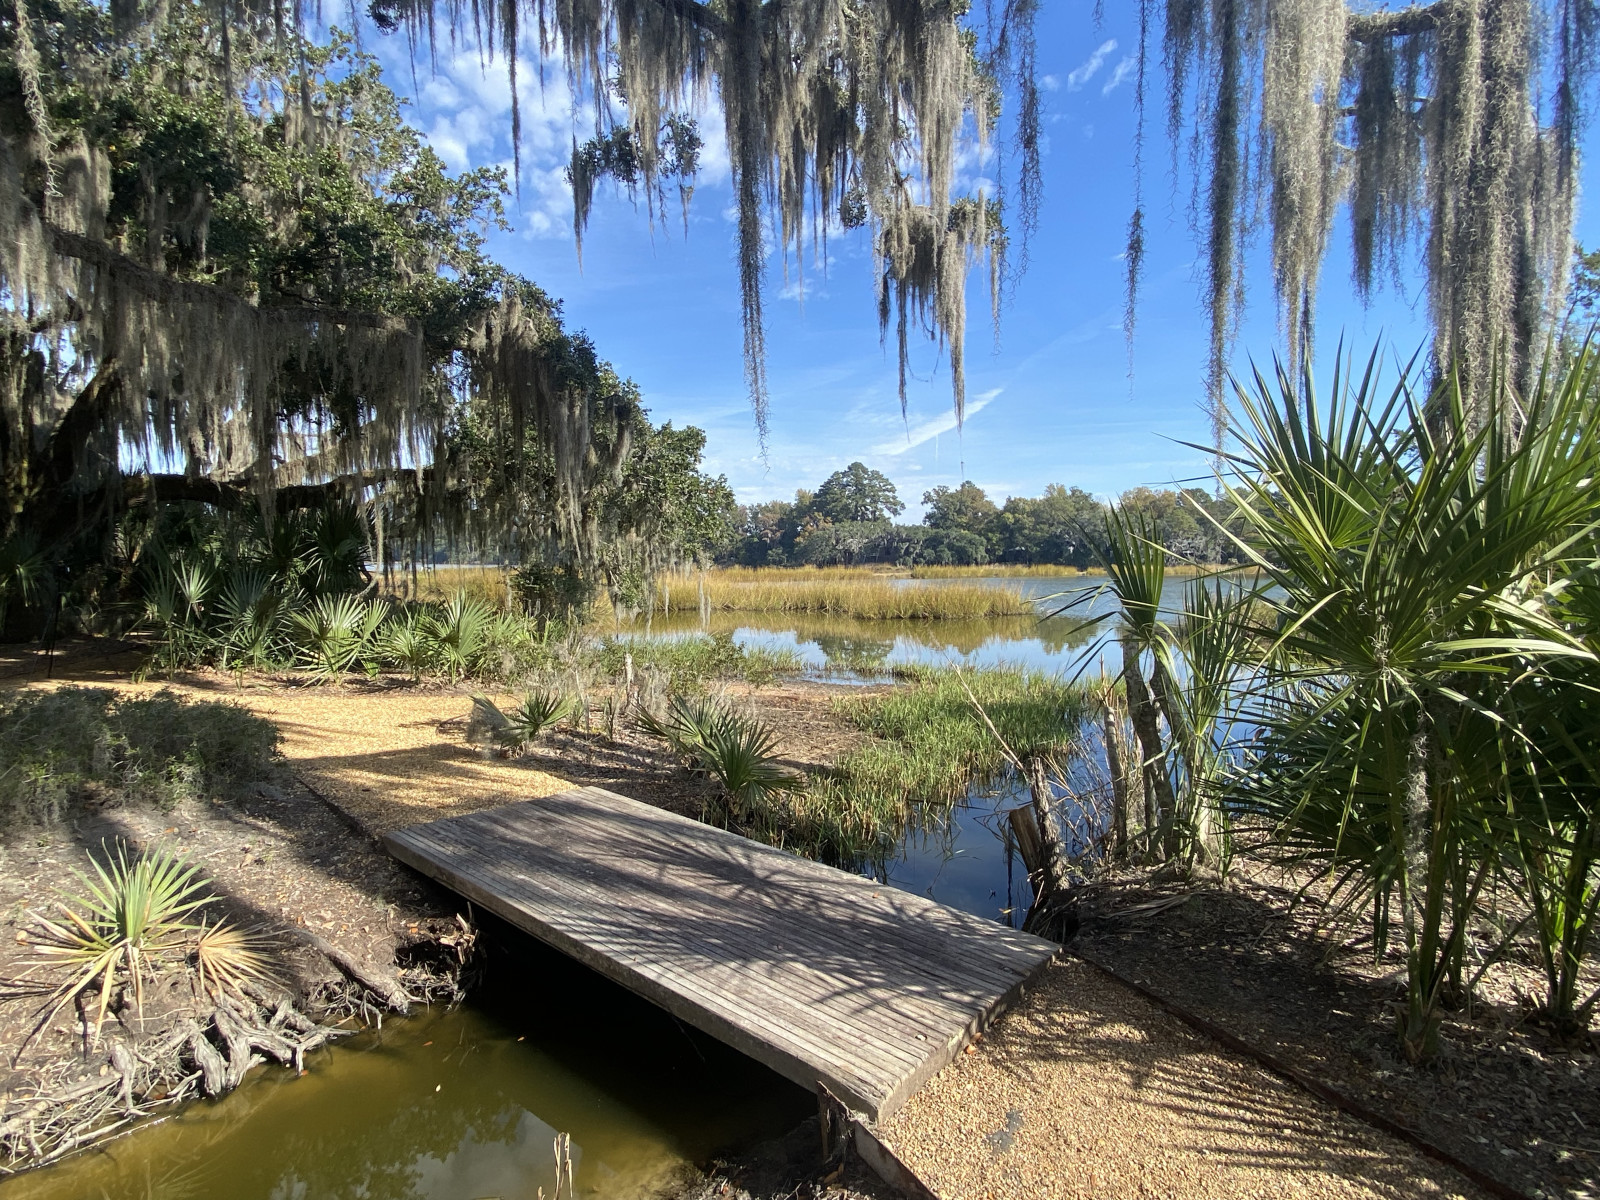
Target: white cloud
<point>1049,83</point>
<point>1086,70</point>
<point>464,110</point>
<point>1124,72</point>
<point>925,431</point>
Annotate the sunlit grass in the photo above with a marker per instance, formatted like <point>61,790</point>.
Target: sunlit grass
<point>790,574</point>
<point>1041,571</point>
<point>930,747</point>
<point>1005,570</point>
<point>437,585</point>
<point>868,599</point>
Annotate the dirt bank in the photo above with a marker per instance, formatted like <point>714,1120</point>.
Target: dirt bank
<point>347,931</point>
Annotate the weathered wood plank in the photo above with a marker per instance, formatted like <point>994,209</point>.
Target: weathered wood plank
<point>825,976</point>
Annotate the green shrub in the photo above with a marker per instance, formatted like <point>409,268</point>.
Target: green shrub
<point>57,747</point>
<point>740,753</point>
<point>518,729</point>
<point>689,661</point>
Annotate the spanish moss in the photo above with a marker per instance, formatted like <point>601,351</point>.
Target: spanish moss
<point>1424,121</point>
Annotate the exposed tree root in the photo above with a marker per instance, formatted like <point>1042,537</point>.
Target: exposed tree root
<point>135,1079</point>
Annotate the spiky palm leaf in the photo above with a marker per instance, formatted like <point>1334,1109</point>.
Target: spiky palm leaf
<point>741,755</point>
<point>460,631</point>
<point>688,724</point>
<point>128,914</point>
<point>521,727</point>
<point>228,958</point>
<point>1395,539</point>
<point>336,631</point>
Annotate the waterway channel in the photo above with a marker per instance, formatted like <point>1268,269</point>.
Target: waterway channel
<point>460,1104</point>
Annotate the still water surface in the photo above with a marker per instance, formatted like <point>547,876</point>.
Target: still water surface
<point>460,1105</point>
<point>1061,638</point>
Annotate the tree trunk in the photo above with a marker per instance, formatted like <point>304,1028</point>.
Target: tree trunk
<point>1112,719</point>
<point>1158,799</point>
<point>1171,827</point>
<point>1419,913</point>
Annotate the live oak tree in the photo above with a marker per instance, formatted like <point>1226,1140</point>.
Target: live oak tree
<point>233,276</point>
<point>857,493</point>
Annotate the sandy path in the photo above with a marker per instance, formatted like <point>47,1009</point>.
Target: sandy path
<point>394,759</point>
<point>1086,1089</point>
<point>388,757</point>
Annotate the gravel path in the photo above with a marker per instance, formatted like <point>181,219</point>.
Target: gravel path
<point>388,756</point>
<point>1086,1089</point>
<point>395,758</point>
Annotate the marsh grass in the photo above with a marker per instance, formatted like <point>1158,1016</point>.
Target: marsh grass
<point>488,584</point>
<point>932,744</point>
<point>930,747</point>
<point>1044,571</point>
<point>691,660</point>
<point>796,574</point>
<point>859,596</point>
<point>1001,570</point>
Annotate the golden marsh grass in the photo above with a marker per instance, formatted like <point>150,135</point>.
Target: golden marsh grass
<point>440,584</point>
<point>864,598</point>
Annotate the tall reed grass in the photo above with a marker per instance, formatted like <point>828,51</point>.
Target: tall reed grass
<point>1004,570</point>
<point>1045,571</point>
<point>790,574</point>
<point>930,747</point>
<point>868,599</point>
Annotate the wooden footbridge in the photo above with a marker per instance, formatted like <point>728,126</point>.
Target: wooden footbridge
<point>824,976</point>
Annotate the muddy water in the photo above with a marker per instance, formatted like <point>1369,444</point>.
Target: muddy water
<point>459,1105</point>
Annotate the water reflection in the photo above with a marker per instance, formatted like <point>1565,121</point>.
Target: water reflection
<point>970,860</point>
<point>1066,643</point>
<point>846,645</point>
<point>449,1105</point>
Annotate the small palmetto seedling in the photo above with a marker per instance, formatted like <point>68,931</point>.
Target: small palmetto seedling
<point>741,755</point>
<point>458,632</point>
<point>538,711</point>
<point>130,914</point>
<point>520,728</point>
<point>336,631</point>
<point>687,725</point>
<point>406,640</point>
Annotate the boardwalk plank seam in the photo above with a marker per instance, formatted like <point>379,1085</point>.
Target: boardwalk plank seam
<point>996,974</point>
<point>1000,970</point>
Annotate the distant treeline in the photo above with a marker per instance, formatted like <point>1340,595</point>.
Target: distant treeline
<point>849,520</point>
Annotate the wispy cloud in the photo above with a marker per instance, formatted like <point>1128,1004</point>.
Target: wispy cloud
<point>1087,70</point>
<point>926,431</point>
<point>1124,72</point>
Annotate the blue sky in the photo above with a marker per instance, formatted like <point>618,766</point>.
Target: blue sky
<point>1050,403</point>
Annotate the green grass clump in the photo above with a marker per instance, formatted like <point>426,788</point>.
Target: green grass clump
<point>58,746</point>
<point>688,662</point>
<point>931,746</point>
